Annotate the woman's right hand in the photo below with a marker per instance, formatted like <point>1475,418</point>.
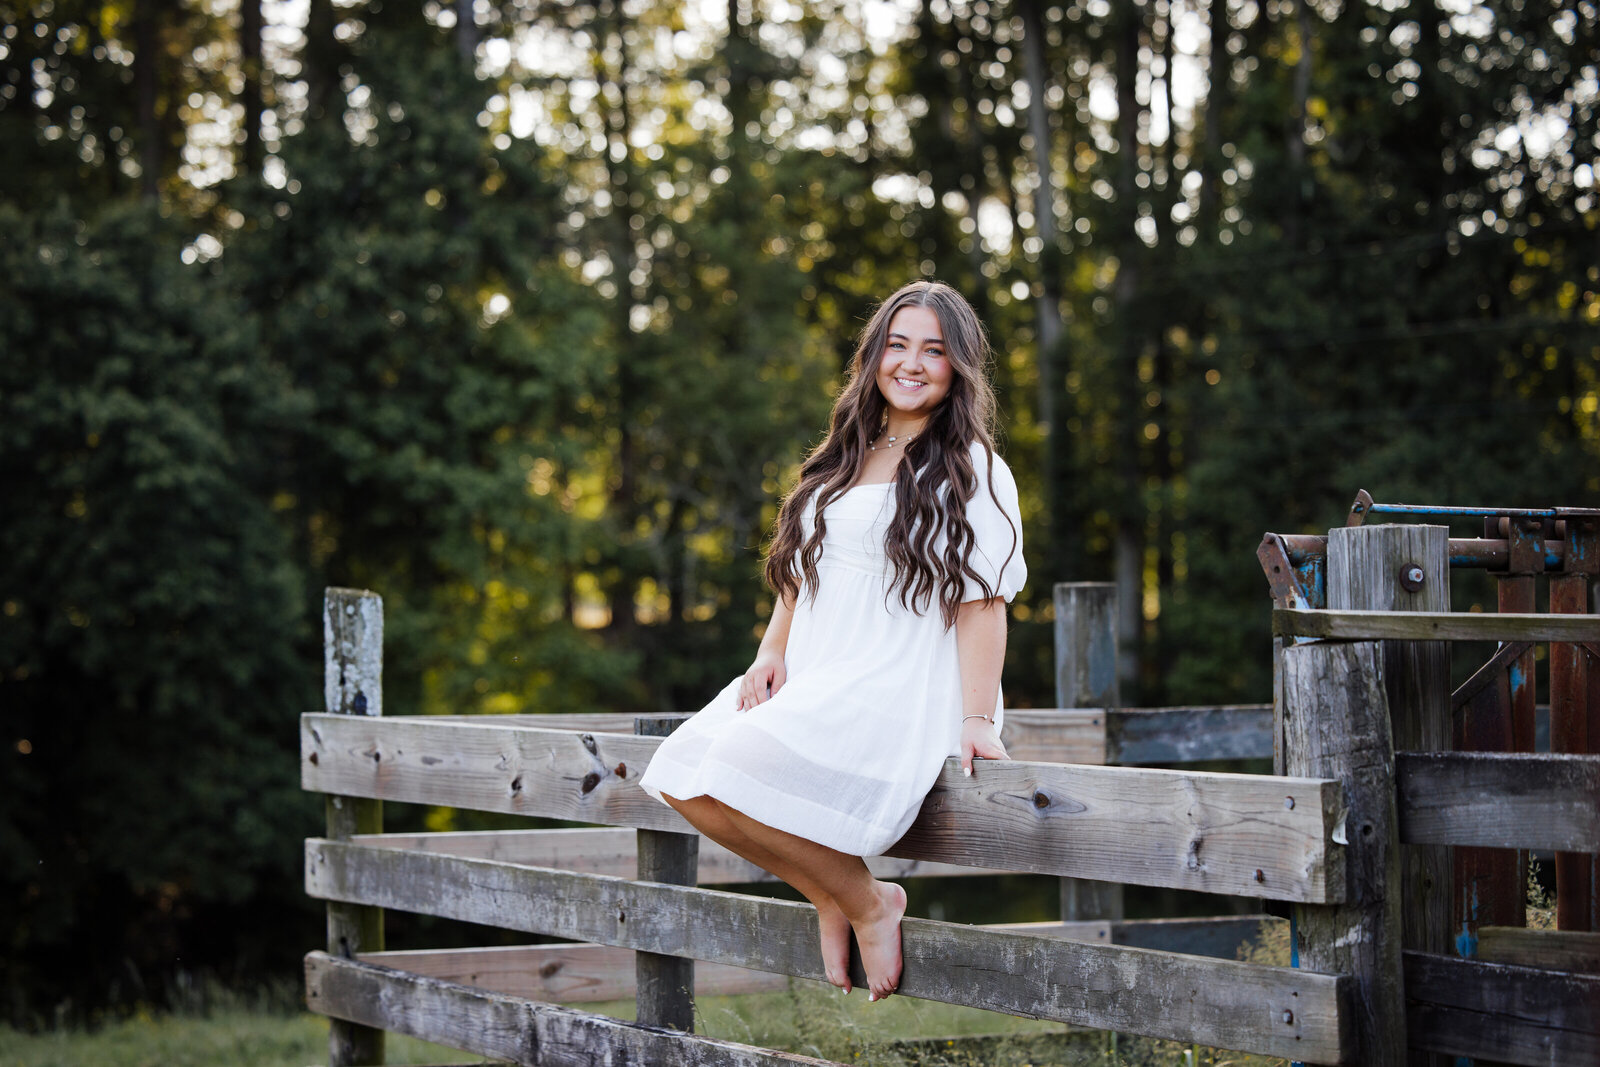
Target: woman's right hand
<point>762,681</point>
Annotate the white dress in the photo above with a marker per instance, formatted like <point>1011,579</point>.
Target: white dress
<point>845,751</point>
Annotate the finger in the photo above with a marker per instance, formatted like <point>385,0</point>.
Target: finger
<point>966,761</point>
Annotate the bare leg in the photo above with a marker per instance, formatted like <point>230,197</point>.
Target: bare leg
<point>710,817</point>
<point>873,908</point>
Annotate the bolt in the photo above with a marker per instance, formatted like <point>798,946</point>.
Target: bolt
<point>1288,803</point>
<point>1260,875</point>
<point>1411,577</point>
<point>1288,1016</point>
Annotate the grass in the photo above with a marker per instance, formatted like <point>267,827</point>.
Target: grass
<point>810,1018</point>
<point>239,1037</point>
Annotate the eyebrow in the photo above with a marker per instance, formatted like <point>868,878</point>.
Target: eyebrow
<point>932,340</point>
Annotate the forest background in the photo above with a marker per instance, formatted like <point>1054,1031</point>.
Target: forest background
<point>523,313</point>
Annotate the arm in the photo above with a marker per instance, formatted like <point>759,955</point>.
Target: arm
<point>766,674</point>
<point>980,651</point>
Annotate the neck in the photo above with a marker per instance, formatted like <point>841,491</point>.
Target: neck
<point>904,427</point>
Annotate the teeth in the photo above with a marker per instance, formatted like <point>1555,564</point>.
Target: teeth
<point>910,384</point>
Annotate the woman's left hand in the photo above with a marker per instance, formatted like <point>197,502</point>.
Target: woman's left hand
<point>978,738</point>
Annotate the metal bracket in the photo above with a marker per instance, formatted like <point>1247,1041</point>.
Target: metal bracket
<point>1287,592</point>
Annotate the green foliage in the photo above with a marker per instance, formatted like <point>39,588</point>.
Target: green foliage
<point>148,778</point>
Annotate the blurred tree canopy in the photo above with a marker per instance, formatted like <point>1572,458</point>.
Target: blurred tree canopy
<point>522,313</point>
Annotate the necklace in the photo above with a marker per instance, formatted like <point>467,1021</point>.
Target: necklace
<point>891,444</point>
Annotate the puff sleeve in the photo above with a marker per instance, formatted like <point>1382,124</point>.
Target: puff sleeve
<point>996,530</point>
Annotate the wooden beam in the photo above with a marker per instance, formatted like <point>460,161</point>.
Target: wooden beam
<point>581,974</point>
<point>564,973</point>
<point>1499,799</point>
<point>665,984</point>
<point>1055,735</point>
<point>611,850</point>
<point>1188,734</point>
<point>1394,567</point>
<point>1492,1011</point>
<point>1336,722</point>
<point>1272,1010</point>
<point>352,685</point>
<point>1248,835</point>
<point>1427,626</point>
<point>523,1031</point>
<point>1554,950</point>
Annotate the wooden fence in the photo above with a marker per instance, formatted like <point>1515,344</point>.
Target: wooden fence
<point>1335,838</point>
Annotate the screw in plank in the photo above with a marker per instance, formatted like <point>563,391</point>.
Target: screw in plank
<point>1260,875</point>
<point>1288,1016</point>
<point>1411,577</point>
<point>1288,803</point>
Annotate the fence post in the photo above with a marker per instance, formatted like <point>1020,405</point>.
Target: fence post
<point>352,638</point>
<point>1336,725</point>
<point>1407,568</point>
<point>1086,677</point>
<point>664,985</point>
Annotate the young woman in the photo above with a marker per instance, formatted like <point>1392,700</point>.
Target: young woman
<point>892,561</point>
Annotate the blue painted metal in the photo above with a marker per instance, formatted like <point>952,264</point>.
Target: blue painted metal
<point>1441,512</point>
<point>1313,577</point>
<point>1472,557</point>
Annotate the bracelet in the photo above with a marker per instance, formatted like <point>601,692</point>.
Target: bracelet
<point>985,718</point>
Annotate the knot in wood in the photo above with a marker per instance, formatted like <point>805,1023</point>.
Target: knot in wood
<point>588,743</point>
<point>1041,800</point>
<point>359,704</point>
<point>313,759</point>
<point>590,780</point>
<point>516,784</point>
<point>621,770</point>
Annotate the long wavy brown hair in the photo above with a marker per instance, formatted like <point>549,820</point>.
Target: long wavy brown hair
<point>933,481</point>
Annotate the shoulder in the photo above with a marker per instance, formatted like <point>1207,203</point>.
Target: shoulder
<point>991,468</point>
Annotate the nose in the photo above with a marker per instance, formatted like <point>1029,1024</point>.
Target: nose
<point>913,360</point>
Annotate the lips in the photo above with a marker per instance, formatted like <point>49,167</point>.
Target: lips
<point>909,383</point>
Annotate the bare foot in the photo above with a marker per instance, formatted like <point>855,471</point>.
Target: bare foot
<point>835,946</point>
<point>878,935</point>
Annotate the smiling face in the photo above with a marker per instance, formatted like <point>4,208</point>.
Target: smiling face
<point>914,371</point>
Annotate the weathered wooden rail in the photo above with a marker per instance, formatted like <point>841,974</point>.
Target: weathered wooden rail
<point>1328,840</point>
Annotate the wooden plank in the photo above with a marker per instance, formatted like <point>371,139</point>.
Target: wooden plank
<point>1426,626</point>
<point>1392,567</point>
<point>611,850</point>
<point>1055,735</point>
<point>1220,937</point>
<point>1500,799</point>
<point>1086,677</point>
<point>1492,1011</point>
<point>1336,722</point>
<point>564,973</point>
<point>519,770</point>
<point>582,974</point>
<point>1272,1010</point>
<point>523,1031</point>
<point>1086,645</point>
<point>1554,950</point>
<point>1248,835</point>
<point>592,722</point>
<point>664,985</point>
<point>352,680</point>
<point>1188,734</point>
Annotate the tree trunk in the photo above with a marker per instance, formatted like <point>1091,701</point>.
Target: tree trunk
<point>146,60</point>
<point>1047,305</point>
<point>1127,28</point>
<point>250,97</point>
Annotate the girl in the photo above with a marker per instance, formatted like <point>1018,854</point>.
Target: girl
<point>892,561</point>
